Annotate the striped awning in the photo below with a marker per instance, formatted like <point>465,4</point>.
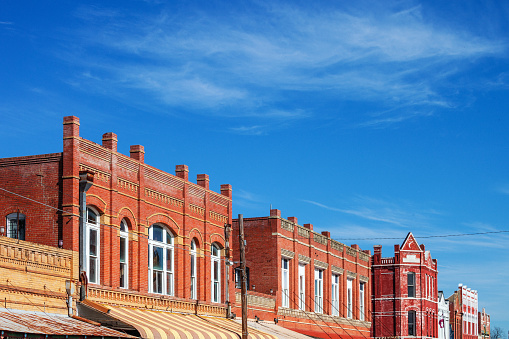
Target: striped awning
<point>158,324</point>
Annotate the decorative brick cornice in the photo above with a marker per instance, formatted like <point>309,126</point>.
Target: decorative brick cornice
<point>287,253</point>
<point>321,264</point>
<point>303,259</point>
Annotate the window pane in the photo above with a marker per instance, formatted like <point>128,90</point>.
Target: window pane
<point>169,259</point>
<point>157,258</point>
<point>216,271</point>
<point>157,233</point>
<point>169,238</point>
<point>93,242</point>
<point>123,226</point>
<point>122,250</point>
<point>93,270</point>
<point>169,283</point>
<point>91,216</point>
<point>122,275</point>
<point>157,282</point>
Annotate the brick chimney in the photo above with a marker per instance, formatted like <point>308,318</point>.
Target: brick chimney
<point>110,141</point>
<point>203,180</point>
<point>137,152</point>
<point>226,190</point>
<point>182,171</point>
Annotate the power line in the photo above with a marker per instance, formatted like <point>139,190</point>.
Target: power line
<point>180,247</point>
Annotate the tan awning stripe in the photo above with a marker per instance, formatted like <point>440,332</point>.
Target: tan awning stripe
<point>165,325</point>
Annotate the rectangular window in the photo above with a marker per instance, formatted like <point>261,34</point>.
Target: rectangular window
<point>318,291</point>
<point>93,256</point>
<point>411,322</point>
<point>349,298</point>
<point>335,295</point>
<point>285,281</point>
<point>123,262</point>
<point>302,287</point>
<point>411,284</point>
<point>361,300</point>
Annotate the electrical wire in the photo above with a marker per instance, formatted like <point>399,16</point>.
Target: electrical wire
<point>68,214</point>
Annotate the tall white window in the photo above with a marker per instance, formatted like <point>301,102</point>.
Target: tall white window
<point>160,260</point>
<point>193,270</point>
<point>335,295</point>
<point>216,273</point>
<point>361,300</point>
<point>16,226</point>
<point>302,287</point>
<point>349,298</point>
<point>318,291</point>
<point>92,246</point>
<point>124,255</point>
<point>285,282</point>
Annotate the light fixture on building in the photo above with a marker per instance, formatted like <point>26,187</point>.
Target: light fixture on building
<point>254,287</point>
<point>60,243</point>
<point>271,291</point>
<point>2,230</point>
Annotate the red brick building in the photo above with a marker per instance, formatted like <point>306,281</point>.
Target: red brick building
<point>484,324</point>
<point>151,239</point>
<point>307,281</point>
<point>404,293</point>
<point>463,307</point>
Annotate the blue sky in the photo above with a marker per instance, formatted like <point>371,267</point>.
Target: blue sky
<point>368,120</point>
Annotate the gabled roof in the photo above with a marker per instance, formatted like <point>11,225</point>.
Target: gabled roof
<point>410,244</point>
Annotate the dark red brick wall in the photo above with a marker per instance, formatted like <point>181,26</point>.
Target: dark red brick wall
<point>32,178</point>
<point>390,292</point>
<point>266,238</point>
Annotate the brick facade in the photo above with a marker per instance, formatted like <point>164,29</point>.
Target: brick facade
<point>124,188</point>
<point>405,292</point>
<point>463,307</point>
<point>273,242</point>
<point>484,324</point>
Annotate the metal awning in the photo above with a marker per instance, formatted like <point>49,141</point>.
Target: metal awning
<point>40,323</point>
<point>163,325</point>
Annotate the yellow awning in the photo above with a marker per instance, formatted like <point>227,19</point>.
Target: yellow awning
<point>158,324</point>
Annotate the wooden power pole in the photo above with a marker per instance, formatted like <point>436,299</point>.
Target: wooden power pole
<point>244,278</point>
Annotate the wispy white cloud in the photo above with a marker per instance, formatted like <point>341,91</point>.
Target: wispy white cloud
<point>405,215</point>
<point>248,63</point>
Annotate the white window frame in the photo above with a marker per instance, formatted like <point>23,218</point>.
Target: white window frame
<point>362,287</point>
<point>193,271</point>
<point>285,282</point>
<point>335,295</point>
<point>349,298</point>
<point>215,276</point>
<point>124,237</point>
<point>13,230</point>
<point>302,287</point>
<point>168,274</point>
<point>92,225</point>
<point>318,290</point>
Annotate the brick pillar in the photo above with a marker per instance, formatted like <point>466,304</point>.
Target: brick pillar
<point>182,171</point>
<point>203,180</point>
<point>110,141</point>
<point>137,152</point>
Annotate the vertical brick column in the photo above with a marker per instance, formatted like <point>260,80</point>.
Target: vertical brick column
<point>140,265</point>
<point>112,275</point>
<point>70,184</point>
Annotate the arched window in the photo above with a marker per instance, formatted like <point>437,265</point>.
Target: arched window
<point>16,226</point>
<point>215,273</point>
<point>160,261</point>
<point>193,271</point>
<point>124,254</point>
<point>92,246</point>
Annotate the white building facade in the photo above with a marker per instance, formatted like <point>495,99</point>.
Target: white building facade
<point>444,331</point>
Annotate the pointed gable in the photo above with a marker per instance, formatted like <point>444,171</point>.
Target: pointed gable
<point>410,244</point>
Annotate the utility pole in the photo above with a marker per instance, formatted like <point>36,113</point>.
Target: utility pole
<point>244,278</point>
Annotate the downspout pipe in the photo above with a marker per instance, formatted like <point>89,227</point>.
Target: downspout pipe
<point>86,181</point>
